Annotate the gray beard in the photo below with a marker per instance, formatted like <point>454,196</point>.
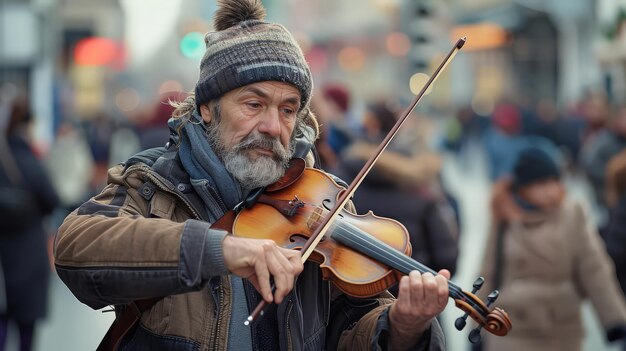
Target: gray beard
<point>251,174</point>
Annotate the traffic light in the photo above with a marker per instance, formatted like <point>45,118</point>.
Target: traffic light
<point>420,27</point>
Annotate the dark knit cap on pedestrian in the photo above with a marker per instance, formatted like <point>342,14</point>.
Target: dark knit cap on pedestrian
<point>533,165</point>
<point>244,49</point>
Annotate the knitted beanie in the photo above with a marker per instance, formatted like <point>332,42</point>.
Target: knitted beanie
<point>245,50</point>
<point>534,164</point>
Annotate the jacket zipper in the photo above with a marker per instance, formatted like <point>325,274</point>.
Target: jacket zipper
<point>156,179</point>
<point>216,197</point>
<point>289,341</point>
<point>217,330</point>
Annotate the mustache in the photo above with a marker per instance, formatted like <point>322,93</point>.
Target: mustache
<point>257,140</point>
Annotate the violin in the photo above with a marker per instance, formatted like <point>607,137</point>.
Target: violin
<point>362,255</point>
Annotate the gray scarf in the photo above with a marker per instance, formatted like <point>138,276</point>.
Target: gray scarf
<point>219,190</point>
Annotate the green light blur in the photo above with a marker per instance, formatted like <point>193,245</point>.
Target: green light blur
<point>192,45</point>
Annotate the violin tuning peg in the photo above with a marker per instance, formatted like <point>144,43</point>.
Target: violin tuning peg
<point>460,322</point>
<point>478,283</point>
<point>474,336</point>
<point>492,297</point>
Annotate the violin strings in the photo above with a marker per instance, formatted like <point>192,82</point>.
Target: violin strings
<point>397,260</point>
<point>393,257</point>
<point>384,252</point>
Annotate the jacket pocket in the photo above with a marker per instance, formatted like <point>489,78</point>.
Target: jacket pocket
<point>162,205</point>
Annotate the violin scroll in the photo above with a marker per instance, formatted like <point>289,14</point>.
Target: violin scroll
<point>496,320</point>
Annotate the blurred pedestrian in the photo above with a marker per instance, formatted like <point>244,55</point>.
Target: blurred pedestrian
<point>600,149</point>
<point>595,110</point>
<point>152,131</point>
<point>23,251</point>
<point>332,107</point>
<point>71,167</point>
<point>339,132</point>
<point>392,190</point>
<point>503,140</point>
<point>614,233</point>
<point>545,259</point>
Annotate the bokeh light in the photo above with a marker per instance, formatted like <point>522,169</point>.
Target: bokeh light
<point>317,59</point>
<point>127,99</point>
<point>483,103</point>
<point>351,58</point>
<point>192,45</point>
<point>398,44</point>
<point>481,36</point>
<point>170,86</point>
<point>417,82</point>
<point>96,51</point>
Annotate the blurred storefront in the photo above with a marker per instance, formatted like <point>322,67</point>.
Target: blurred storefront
<point>27,49</point>
<point>611,49</point>
<point>90,57</point>
<point>525,51</point>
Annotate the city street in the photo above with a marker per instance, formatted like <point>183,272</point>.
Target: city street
<point>528,89</point>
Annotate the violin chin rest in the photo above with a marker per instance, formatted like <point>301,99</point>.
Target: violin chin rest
<point>292,174</point>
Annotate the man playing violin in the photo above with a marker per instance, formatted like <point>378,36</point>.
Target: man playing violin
<point>148,235</point>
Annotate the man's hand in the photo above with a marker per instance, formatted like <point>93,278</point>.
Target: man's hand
<point>258,260</point>
<point>421,297</point>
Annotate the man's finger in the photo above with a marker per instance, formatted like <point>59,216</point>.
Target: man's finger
<point>431,296</point>
<point>416,287</point>
<point>445,273</point>
<point>280,268</point>
<point>263,275</point>
<point>442,289</point>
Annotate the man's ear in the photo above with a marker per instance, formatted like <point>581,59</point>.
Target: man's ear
<point>205,112</point>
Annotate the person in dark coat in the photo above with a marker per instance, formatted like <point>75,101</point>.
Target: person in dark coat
<point>614,233</point>
<point>23,253</point>
<point>389,192</point>
<point>434,243</point>
<point>600,149</point>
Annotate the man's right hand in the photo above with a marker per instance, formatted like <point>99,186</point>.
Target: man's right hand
<point>258,260</point>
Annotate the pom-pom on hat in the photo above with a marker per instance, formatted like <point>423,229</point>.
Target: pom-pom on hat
<point>533,164</point>
<point>244,49</point>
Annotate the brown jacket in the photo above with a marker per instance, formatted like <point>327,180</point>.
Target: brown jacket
<point>551,262</point>
<point>144,236</point>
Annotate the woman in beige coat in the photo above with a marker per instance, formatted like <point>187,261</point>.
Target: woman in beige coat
<point>546,259</point>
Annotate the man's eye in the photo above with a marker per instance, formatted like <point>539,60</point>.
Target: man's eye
<point>289,111</point>
<point>254,105</point>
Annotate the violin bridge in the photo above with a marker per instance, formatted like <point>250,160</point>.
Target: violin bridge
<point>315,218</point>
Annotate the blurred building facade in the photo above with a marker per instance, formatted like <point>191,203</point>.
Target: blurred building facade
<point>522,48</point>
<point>611,48</point>
<point>543,51</point>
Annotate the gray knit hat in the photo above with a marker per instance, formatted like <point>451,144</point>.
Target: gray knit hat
<point>245,50</point>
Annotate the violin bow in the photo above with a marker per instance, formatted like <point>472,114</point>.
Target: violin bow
<point>325,224</point>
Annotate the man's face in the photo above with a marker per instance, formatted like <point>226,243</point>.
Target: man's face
<point>254,132</point>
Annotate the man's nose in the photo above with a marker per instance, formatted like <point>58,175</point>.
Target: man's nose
<point>270,123</point>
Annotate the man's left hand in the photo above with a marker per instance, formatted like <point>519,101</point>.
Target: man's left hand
<point>421,297</point>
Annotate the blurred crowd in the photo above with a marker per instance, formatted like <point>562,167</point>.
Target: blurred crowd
<point>586,139</point>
